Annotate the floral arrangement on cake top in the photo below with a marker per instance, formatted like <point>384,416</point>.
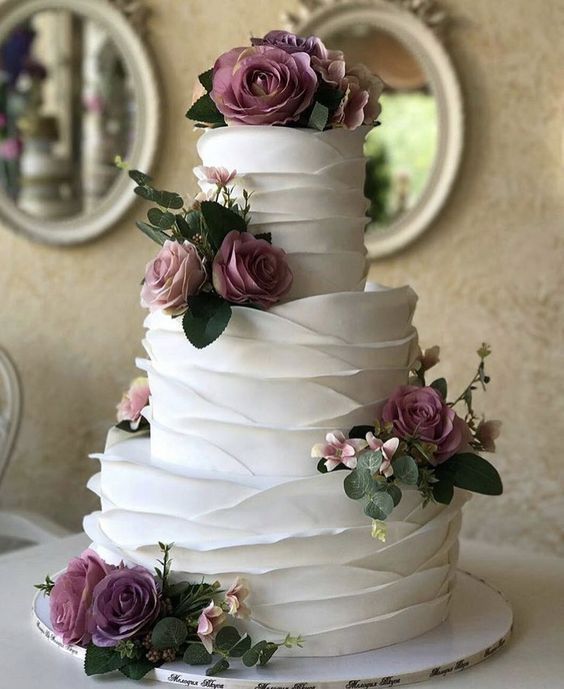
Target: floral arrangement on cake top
<point>208,260</point>
<point>287,80</point>
<point>132,620</point>
<point>419,440</point>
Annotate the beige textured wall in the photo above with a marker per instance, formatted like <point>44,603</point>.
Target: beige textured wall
<point>490,268</point>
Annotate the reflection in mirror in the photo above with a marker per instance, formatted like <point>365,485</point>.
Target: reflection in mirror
<point>401,152</point>
<point>66,110</point>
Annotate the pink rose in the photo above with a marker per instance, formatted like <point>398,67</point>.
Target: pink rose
<point>175,274</point>
<point>361,102</point>
<point>235,597</point>
<point>487,433</point>
<point>250,270</point>
<point>210,621</point>
<point>71,597</point>
<point>338,450</point>
<point>290,43</point>
<point>133,402</point>
<point>421,412</point>
<point>263,85</point>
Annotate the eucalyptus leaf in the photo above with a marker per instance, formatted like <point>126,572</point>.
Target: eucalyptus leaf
<point>394,492</point>
<point>219,667</point>
<point>252,656</point>
<point>267,652</point>
<point>170,632</point>
<point>145,193</point>
<point>406,470</point>
<point>162,220</point>
<point>440,385</point>
<point>167,199</point>
<point>206,319</point>
<point>140,178</point>
<point>220,221</point>
<point>205,110</point>
<point>196,654</point>
<point>153,232</point>
<point>319,117</point>
<point>371,460</point>
<point>241,647</point>
<point>137,669</point>
<point>206,79</point>
<point>379,506</point>
<point>226,638</point>
<point>190,225</point>
<point>356,483</point>
<point>98,660</point>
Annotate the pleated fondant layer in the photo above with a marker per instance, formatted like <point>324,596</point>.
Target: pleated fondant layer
<point>256,400</point>
<point>307,191</point>
<point>306,550</point>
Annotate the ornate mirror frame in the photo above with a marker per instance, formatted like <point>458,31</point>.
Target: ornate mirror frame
<point>417,24</point>
<point>125,22</point>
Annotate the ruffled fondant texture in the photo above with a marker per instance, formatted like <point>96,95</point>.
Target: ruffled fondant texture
<point>227,474</point>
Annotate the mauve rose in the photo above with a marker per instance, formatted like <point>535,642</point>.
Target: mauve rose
<point>247,269</point>
<point>71,597</point>
<point>361,102</point>
<point>175,274</point>
<point>263,85</point>
<point>290,43</point>
<point>124,603</point>
<point>422,413</point>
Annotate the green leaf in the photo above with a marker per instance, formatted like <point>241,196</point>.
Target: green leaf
<point>356,483</point>
<point>440,385</point>
<point>370,460</point>
<point>319,117</point>
<point>267,236</point>
<point>137,669</point>
<point>321,467</point>
<point>267,652</point>
<point>394,492</point>
<point>252,656</point>
<point>196,654</point>
<point>379,506</point>
<point>145,193</point>
<point>240,648</point>
<point>168,199</point>
<point>220,221</point>
<point>170,632</point>
<point>205,110</point>
<point>218,668</point>
<point>226,638</point>
<point>206,319</point>
<point>163,221</point>
<point>206,79</point>
<point>443,491</point>
<point>405,470</point>
<point>329,97</point>
<point>140,178</point>
<point>153,233</point>
<point>99,660</point>
<point>472,472</point>
<point>360,431</point>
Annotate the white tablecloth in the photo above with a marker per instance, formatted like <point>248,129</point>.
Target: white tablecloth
<point>533,659</point>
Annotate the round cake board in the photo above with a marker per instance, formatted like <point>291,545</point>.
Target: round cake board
<point>479,625</point>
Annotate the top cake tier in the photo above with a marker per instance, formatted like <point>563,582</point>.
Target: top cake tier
<point>307,191</point>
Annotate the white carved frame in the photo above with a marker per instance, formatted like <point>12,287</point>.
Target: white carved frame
<point>119,19</point>
<point>328,16</point>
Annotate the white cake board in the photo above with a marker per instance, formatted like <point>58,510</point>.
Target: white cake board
<point>479,625</point>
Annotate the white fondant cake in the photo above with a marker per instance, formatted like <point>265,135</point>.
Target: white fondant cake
<point>227,474</point>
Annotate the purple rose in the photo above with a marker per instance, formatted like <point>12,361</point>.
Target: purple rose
<point>422,413</point>
<point>71,597</point>
<point>290,43</point>
<point>263,85</point>
<point>247,269</point>
<point>124,603</point>
<point>175,274</point>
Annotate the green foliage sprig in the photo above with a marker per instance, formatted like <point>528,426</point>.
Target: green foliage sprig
<point>46,587</point>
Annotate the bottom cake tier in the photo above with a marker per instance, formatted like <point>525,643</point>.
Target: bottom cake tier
<point>313,566</point>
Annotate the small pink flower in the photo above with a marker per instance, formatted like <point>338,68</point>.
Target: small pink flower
<point>487,433</point>
<point>133,402</point>
<point>388,450</point>
<point>235,597</point>
<point>175,274</point>
<point>11,149</point>
<point>430,357</point>
<point>338,450</point>
<point>209,623</point>
<point>215,175</point>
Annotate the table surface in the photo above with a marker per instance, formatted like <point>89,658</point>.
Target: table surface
<point>533,659</point>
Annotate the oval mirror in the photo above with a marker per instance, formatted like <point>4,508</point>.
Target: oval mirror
<point>77,89</point>
<point>413,158</point>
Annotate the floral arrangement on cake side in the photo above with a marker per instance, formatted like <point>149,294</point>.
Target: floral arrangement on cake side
<point>132,620</point>
<point>286,80</point>
<point>420,441</point>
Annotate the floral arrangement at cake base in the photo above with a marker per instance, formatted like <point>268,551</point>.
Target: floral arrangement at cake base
<point>419,441</point>
<point>132,620</point>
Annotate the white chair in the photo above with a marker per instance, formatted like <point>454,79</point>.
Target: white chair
<point>17,528</point>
